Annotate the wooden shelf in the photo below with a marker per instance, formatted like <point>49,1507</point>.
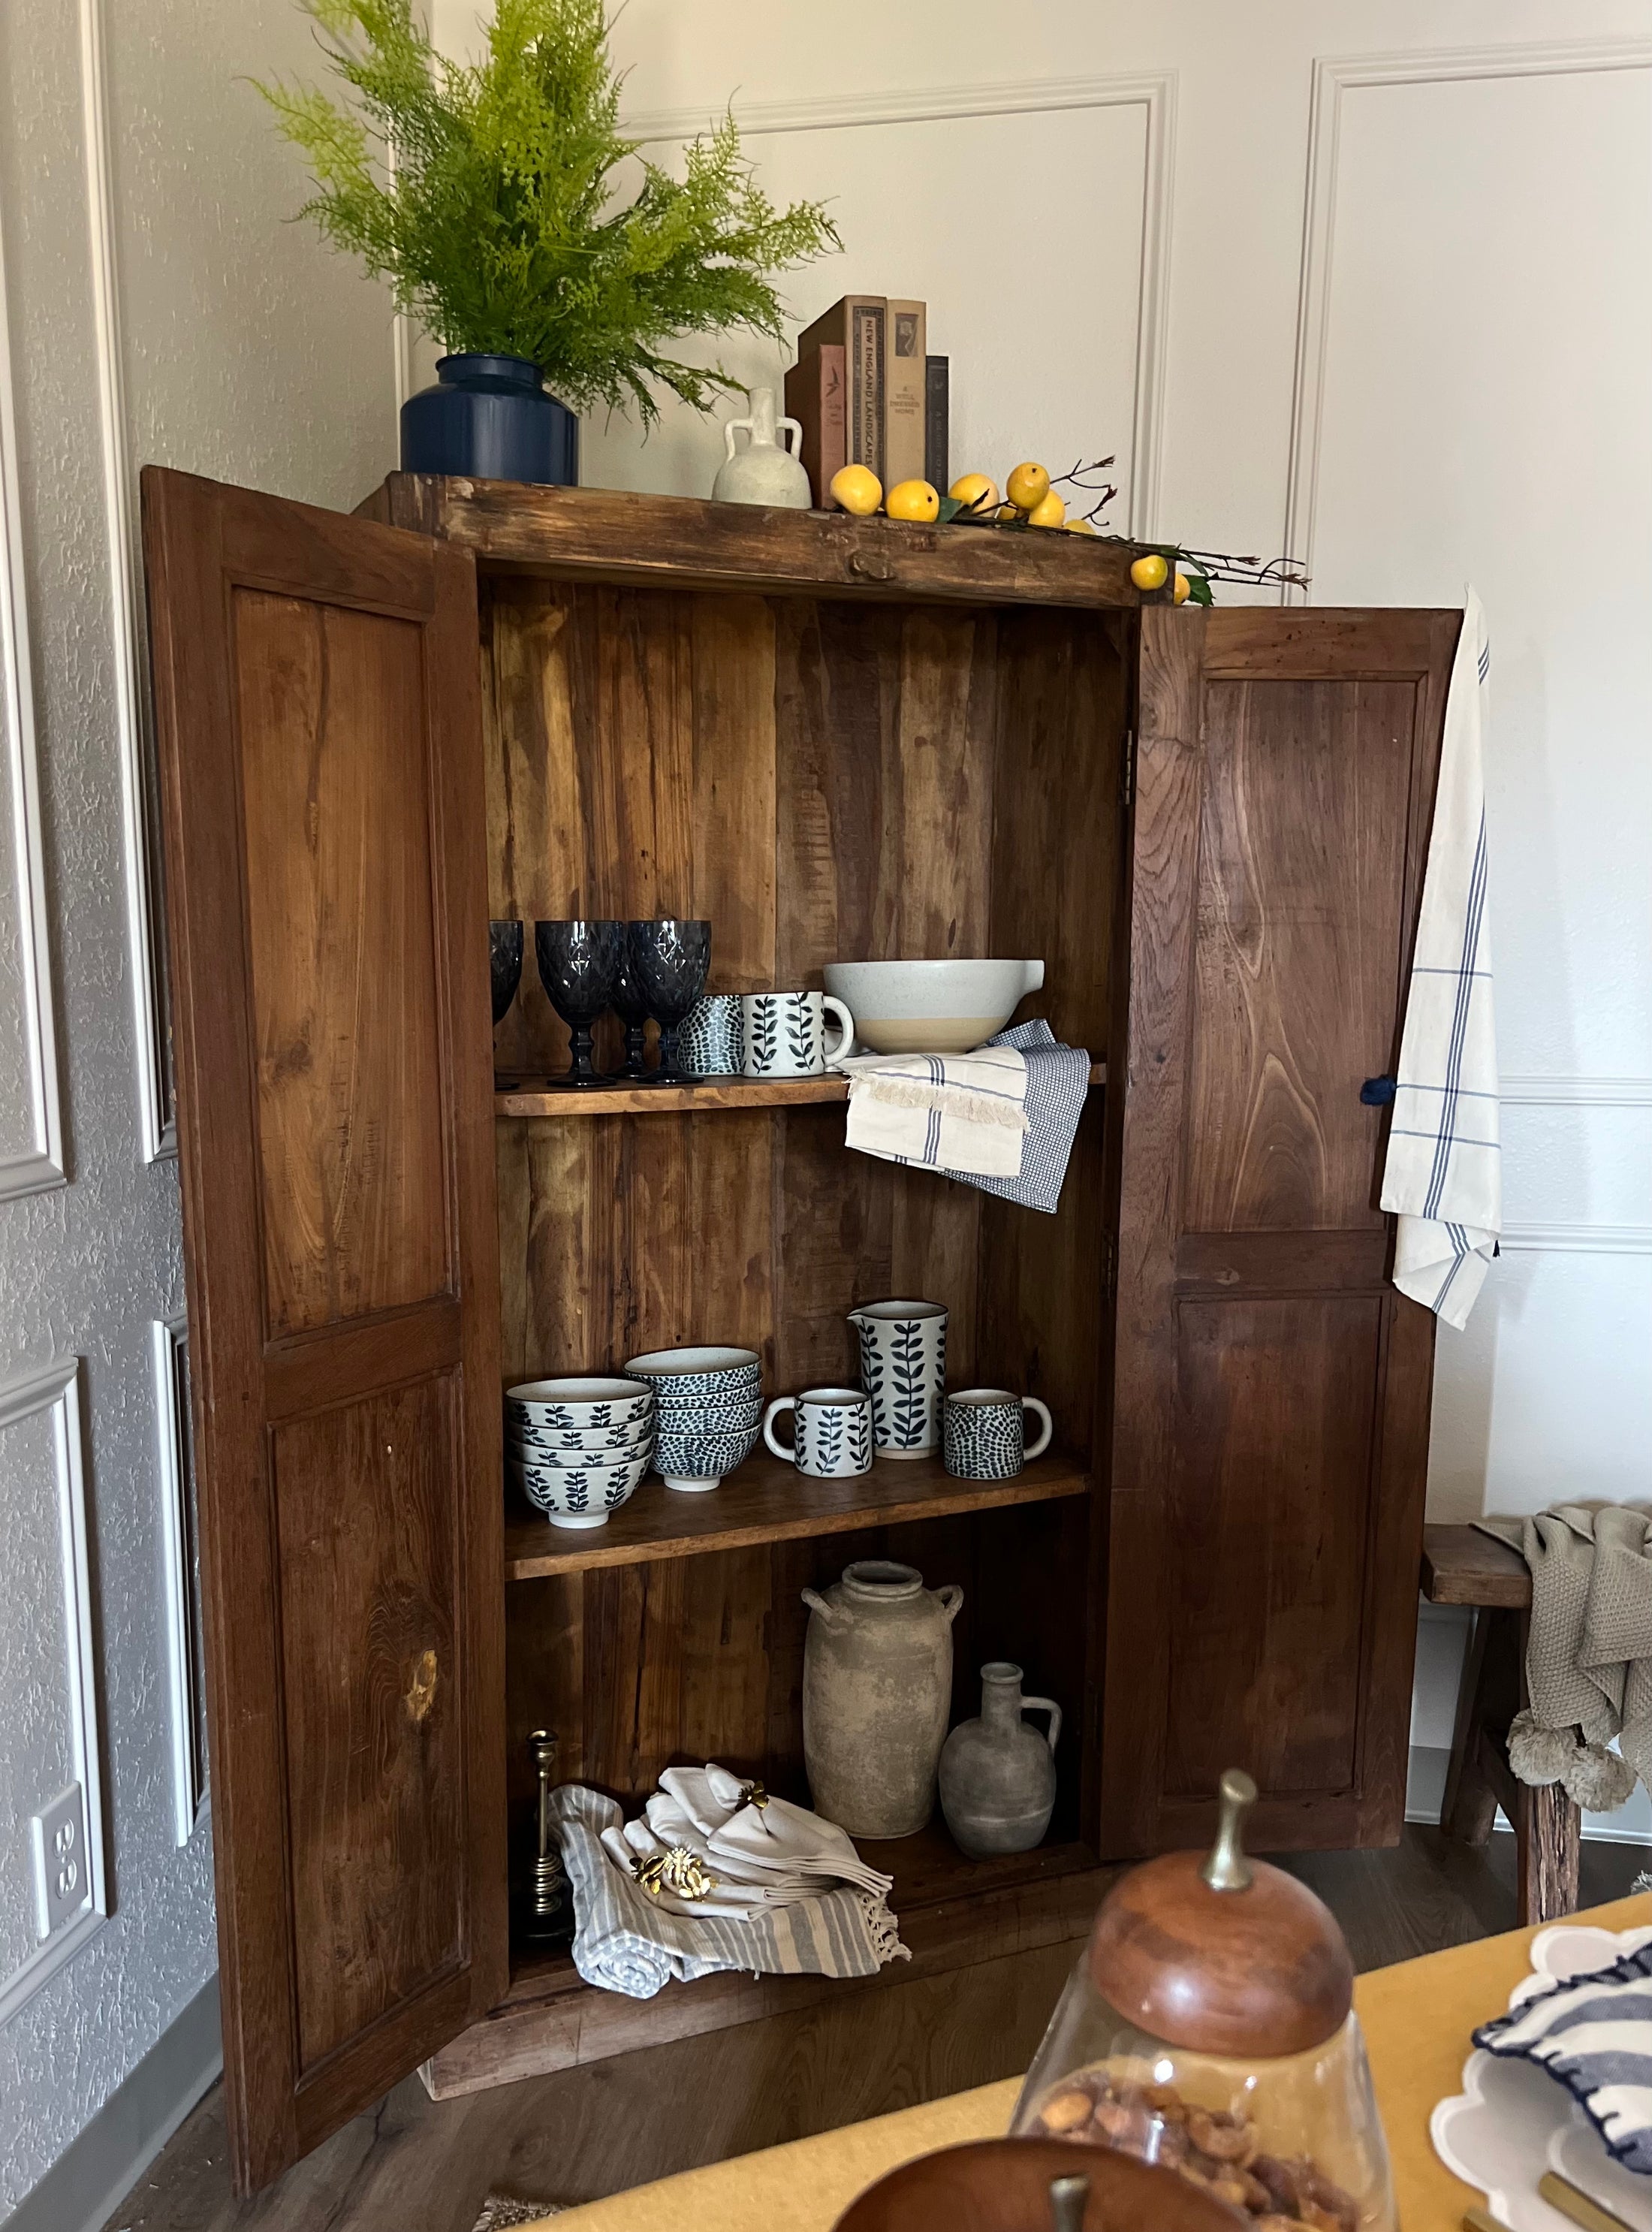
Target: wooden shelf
<point>769,1501</point>
<point>610,535</point>
<point>952,1912</point>
<point>532,1096</point>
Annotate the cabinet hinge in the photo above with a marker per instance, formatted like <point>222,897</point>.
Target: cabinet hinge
<point>1127,776</point>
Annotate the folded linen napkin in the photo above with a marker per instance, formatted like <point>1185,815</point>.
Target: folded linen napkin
<point>953,1113</point>
<point>625,1941</point>
<point>1443,1171</point>
<point>964,1114</point>
<point>1589,1649</point>
<point>754,1837</point>
<point>1594,2034</point>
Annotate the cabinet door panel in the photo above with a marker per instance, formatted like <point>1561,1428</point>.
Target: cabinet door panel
<point>1270,1390</point>
<point>316,699</point>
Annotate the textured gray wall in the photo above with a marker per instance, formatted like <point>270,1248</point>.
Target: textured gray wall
<point>245,351</point>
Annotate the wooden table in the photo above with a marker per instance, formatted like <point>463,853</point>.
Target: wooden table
<point>1417,2017</point>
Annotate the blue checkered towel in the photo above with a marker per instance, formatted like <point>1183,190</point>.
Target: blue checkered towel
<point>1443,1174</point>
<point>1594,2033</point>
<point>626,1942</point>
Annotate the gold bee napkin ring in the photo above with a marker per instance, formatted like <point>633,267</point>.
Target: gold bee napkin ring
<point>676,1870</point>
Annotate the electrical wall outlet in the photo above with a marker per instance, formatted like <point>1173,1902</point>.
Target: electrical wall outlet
<point>60,1882</point>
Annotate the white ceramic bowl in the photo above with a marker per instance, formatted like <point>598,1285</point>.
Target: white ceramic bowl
<point>579,1405</point>
<point>581,1498</point>
<point>930,1007</point>
<point>696,1460</point>
<point>563,1458</point>
<point>711,1413</point>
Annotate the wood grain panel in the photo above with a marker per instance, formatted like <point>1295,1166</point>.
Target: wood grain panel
<point>339,938</point>
<point>375,1773</point>
<point>1269,1507</point>
<point>318,723</point>
<point>1262,1613</point>
<point>1063,695</point>
<point>1302,870</point>
<point>607,534</point>
<point>732,645</point>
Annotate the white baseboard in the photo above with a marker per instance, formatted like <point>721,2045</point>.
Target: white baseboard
<point>1425,1788</point>
<point>97,2169</point>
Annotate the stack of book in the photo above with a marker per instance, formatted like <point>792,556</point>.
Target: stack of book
<point>866,393</point>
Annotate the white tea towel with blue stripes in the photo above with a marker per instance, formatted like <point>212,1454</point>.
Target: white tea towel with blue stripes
<point>1443,1177</point>
<point>964,1114</point>
<point>1002,1118</point>
<point>626,1942</point>
<point>1594,2033</point>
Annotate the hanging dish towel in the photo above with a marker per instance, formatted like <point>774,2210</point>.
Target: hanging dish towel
<point>1002,1118</point>
<point>1443,1176</point>
<point>626,1941</point>
<point>1589,1651</point>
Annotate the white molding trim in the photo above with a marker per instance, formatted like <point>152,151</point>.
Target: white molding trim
<point>1155,92</point>
<point>1332,77</point>
<point>1576,1092</point>
<point>170,1340</point>
<point>157,1132</point>
<point>1578,1239</point>
<point>57,1389</point>
<point>39,1164</point>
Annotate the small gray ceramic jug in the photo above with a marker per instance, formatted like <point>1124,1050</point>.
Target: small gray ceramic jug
<point>998,1775</point>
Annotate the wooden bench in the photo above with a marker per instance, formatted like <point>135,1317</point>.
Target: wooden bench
<point>1462,1567</point>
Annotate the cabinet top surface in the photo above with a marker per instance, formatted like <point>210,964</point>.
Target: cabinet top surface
<point>691,542</point>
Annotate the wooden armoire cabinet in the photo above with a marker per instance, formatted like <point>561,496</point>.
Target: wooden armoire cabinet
<point>831,737</point>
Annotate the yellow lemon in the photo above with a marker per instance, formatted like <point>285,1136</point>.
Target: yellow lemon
<point>975,492</point>
<point>1027,486</point>
<point>912,500</point>
<point>1081,526</point>
<point>1149,573</point>
<point>1048,511</point>
<point>1181,589</point>
<point>856,489</point>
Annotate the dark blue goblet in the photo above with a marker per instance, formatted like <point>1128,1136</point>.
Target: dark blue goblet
<point>669,960</point>
<point>505,947</point>
<point>630,1004</point>
<point>578,963</point>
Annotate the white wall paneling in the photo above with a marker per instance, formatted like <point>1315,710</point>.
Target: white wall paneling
<point>156,1131</point>
<point>1333,79</point>
<point>917,182</point>
<point>180,1553</point>
<point>55,1394</point>
<point>33,1162</point>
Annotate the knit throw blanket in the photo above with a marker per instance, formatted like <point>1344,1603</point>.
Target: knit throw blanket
<point>1588,1655</point>
<point>627,1942</point>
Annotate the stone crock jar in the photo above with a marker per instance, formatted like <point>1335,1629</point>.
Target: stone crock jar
<point>876,1690</point>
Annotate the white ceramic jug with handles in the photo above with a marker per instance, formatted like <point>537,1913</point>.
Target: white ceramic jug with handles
<point>765,471</point>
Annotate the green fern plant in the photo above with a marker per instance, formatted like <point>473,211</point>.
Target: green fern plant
<point>486,195</point>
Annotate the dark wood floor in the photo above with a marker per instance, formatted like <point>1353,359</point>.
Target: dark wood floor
<point>416,2165</point>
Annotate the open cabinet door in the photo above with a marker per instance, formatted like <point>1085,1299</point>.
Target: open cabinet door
<point>317,706</point>
<point>1270,1390</point>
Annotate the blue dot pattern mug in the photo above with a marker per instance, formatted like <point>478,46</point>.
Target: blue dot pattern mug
<point>711,1042</point>
<point>984,1433</point>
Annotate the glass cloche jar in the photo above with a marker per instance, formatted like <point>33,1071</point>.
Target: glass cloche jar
<point>1210,2028</point>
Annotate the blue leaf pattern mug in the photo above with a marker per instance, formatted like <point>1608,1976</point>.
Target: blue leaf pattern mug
<point>831,1431</point>
<point>903,1369</point>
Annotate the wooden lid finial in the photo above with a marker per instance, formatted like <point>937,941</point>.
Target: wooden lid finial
<point>1220,1953</point>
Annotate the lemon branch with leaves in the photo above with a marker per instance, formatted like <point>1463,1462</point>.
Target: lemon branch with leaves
<point>486,195</point>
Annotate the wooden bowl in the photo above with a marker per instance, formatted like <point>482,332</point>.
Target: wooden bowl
<point>1003,2185</point>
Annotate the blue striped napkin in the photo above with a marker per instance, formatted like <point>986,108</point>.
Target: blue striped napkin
<point>1594,2033</point>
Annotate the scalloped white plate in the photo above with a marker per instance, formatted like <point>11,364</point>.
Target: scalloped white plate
<point>1512,2121</point>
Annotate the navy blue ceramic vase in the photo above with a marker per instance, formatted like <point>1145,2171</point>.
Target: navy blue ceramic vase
<point>490,419</point>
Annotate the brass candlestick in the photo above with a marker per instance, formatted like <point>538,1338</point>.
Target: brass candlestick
<point>550,1903</point>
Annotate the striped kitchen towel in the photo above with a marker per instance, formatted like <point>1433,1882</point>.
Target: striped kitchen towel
<point>964,1114</point>
<point>1002,1118</point>
<point>1594,2033</point>
<point>1443,1175</point>
<point>626,1941</point>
